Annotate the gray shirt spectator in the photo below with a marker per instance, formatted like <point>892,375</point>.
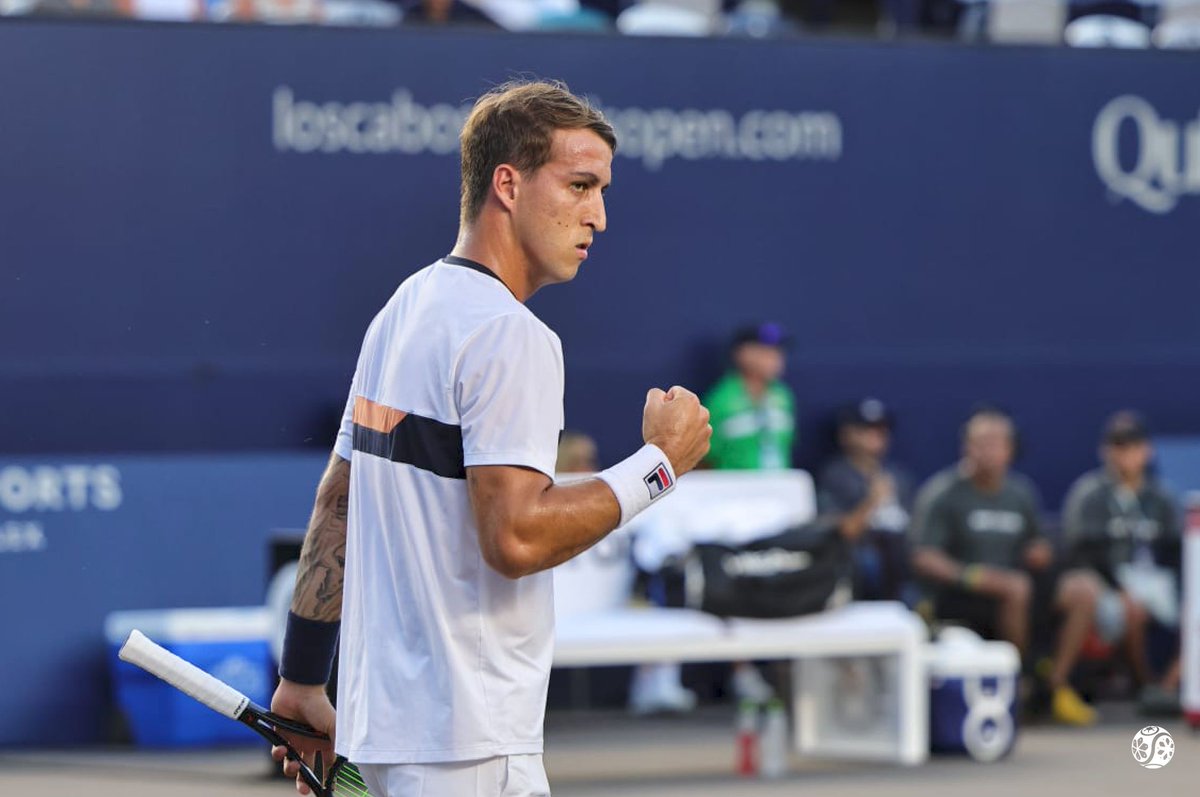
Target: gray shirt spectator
<point>975,527</point>
<point>1107,525</point>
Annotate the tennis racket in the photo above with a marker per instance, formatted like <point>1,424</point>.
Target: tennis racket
<point>342,779</point>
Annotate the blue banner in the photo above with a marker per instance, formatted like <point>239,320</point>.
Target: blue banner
<point>85,536</point>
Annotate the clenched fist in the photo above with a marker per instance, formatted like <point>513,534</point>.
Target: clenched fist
<point>677,423</point>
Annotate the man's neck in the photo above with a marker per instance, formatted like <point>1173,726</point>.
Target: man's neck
<point>1132,481</point>
<point>989,483</point>
<point>864,462</point>
<point>757,388</point>
<point>498,253</point>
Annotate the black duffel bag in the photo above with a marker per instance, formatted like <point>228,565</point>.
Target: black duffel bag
<point>801,571</point>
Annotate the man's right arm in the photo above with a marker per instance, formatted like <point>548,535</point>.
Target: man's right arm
<point>528,524</point>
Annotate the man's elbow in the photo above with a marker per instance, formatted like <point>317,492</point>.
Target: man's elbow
<point>511,557</point>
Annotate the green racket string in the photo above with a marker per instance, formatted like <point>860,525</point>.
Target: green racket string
<point>347,782</point>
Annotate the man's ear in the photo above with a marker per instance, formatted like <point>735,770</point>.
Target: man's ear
<point>505,184</point>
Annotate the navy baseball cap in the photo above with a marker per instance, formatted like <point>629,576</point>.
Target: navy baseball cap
<point>868,412</point>
<point>1125,427</point>
<point>767,333</point>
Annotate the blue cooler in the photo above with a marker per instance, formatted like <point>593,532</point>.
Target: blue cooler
<point>973,695</point>
<point>232,644</point>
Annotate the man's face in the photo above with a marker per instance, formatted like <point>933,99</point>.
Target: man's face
<point>869,439</point>
<point>989,445</point>
<point>559,208</point>
<point>1130,459</point>
<point>759,361</point>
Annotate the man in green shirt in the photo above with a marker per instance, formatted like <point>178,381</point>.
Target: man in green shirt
<point>977,543</point>
<point>753,418</point>
<point>753,413</point>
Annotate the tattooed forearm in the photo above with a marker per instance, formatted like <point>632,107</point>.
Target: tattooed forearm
<point>318,594</point>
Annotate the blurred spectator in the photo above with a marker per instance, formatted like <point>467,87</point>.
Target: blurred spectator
<point>978,544</point>
<point>672,18</point>
<point>753,412</point>
<point>871,498</point>
<point>576,453</point>
<point>526,14</point>
<point>757,18</point>
<point>753,420</point>
<point>1123,528</point>
<point>444,12</point>
<point>754,427</point>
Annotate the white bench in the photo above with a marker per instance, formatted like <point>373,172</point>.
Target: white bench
<point>596,626</point>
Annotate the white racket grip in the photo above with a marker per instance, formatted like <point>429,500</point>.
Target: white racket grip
<point>183,675</point>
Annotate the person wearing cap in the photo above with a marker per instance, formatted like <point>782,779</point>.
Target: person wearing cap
<point>753,412</point>
<point>753,417</point>
<point>871,498</point>
<point>979,549</point>
<point>1121,526</point>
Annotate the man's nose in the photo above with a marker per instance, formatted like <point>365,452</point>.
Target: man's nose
<point>596,218</point>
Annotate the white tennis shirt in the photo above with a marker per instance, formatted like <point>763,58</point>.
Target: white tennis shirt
<point>443,658</point>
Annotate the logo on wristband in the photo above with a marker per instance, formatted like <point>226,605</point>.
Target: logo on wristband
<point>659,481</point>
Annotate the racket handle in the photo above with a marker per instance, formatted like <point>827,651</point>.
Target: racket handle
<point>183,675</point>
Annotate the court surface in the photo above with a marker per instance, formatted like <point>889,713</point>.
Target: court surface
<point>610,754</point>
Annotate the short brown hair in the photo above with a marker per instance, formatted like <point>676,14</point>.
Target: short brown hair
<point>514,123</point>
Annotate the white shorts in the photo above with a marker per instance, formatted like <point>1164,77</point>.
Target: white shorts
<point>1110,616</point>
<point>503,776</point>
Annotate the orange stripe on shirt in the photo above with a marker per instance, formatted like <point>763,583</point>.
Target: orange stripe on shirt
<point>375,416</point>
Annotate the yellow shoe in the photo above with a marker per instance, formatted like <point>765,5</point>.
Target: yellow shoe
<point>1070,709</point>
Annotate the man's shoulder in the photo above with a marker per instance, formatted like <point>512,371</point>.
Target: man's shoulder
<point>1159,491</point>
<point>475,298</point>
<point>513,335</point>
<point>946,480</point>
<point>1022,487</point>
<point>1087,486</point>
<point>782,392</point>
<point>941,486</point>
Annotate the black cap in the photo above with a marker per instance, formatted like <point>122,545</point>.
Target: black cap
<point>767,333</point>
<point>1125,427</point>
<point>868,412</point>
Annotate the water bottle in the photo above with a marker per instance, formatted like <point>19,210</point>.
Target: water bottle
<point>774,748</point>
<point>746,761</point>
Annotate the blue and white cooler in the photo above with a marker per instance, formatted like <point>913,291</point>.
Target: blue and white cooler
<point>973,695</point>
<point>232,644</point>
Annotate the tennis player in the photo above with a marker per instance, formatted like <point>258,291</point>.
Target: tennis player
<point>437,520</point>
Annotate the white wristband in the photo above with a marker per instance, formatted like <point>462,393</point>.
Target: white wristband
<point>639,480</point>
